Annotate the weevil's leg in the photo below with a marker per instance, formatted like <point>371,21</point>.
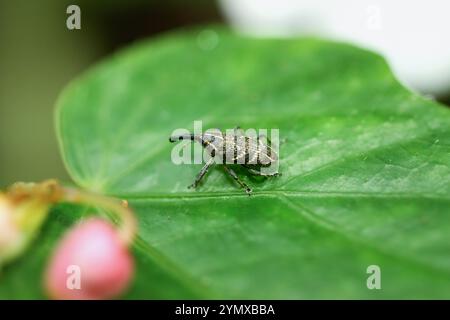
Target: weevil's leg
<point>237,179</point>
<point>259,173</point>
<point>276,174</point>
<point>202,173</point>
<point>252,171</point>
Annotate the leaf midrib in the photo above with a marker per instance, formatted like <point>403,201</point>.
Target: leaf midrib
<point>287,193</point>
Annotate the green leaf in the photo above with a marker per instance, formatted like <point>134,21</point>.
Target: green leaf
<point>365,164</point>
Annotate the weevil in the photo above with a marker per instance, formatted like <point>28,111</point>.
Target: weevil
<point>253,153</point>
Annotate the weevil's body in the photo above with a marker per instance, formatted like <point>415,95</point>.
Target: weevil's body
<point>238,149</point>
<point>253,153</point>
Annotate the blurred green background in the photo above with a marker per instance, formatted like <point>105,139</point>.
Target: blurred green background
<point>39,56</point>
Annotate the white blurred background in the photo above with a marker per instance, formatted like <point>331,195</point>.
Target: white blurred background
<point>414,35</point>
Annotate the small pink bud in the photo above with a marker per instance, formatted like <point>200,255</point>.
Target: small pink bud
<point>91,262</point>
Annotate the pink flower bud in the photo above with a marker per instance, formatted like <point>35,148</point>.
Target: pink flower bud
<point>91,262</point>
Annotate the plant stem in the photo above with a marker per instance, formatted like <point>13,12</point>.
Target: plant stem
<point>127,227</point>
<point>50,192</point>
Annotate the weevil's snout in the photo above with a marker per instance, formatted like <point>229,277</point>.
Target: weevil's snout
<point>181,137</point>
<point>176,138</point>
